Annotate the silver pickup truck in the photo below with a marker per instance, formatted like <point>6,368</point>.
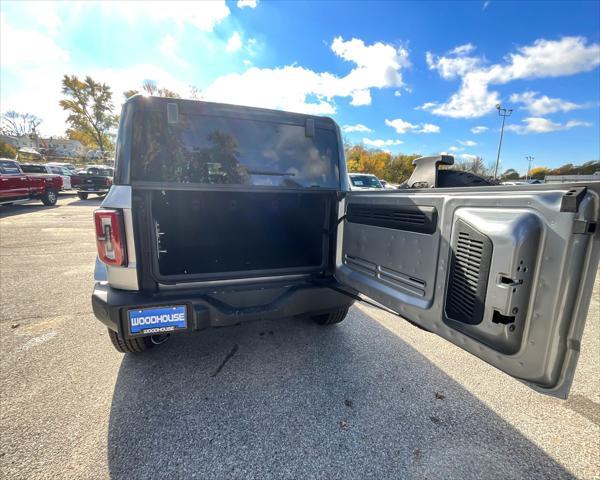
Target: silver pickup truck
<point>222,214</point>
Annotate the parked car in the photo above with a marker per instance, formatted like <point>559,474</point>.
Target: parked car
<point>222,214</point>
<point>17,186</point>
<point>95,179</point>
<point>364,181</point>
<point>69,166</point>
<point>36,168</point>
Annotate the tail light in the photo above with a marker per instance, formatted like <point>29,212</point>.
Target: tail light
<point>108,182</point>
<point>110,236</point>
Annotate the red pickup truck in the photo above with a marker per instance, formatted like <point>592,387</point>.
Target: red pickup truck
<point>17,186</point>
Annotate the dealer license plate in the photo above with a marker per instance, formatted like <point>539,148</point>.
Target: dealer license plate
<point>150,321</point>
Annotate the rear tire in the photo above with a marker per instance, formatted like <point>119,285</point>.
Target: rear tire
<point>49,198</point>
<point>129,345</point>
<point>457,178</point>
<point>332,317</point>
<point>82,196</point>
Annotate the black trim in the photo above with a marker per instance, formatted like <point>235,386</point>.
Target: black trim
<point>206,309</point>
<point>408,218</point>
<point>196,107</point>
<point>571,200</point>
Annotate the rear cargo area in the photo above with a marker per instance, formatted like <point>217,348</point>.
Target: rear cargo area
<point>224,233</point>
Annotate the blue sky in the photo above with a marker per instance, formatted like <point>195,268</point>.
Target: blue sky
<point>412,77</point>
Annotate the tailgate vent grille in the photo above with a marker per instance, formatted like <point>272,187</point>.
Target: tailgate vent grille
<point>469,272</point>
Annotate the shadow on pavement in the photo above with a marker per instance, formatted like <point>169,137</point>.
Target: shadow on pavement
<point>23,208</point>
<point>296,400</point>
<point>86,203</point>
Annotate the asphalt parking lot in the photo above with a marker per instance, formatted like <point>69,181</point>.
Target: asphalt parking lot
<point>373,397</point>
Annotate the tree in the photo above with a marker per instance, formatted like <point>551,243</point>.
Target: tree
<point>589,168</point>
<point>393,168</point>
<point>400,168</point>
<point>539,173</point>
<point>7,151</point>
<point>195,93</point>
<point>17,124</point>
<point>475,165</point>
<point>150,87</point>
<point>510,174</point>
<point>90,108</point>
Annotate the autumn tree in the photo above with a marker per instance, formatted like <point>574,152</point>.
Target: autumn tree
<point>539,173</point>
<point>90,108</point>
<point>16,124</point>
<point>393,168</point>
<point>400,168</point>
<point>7,151</point>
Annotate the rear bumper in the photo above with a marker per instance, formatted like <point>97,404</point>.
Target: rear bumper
<point>221,308</point>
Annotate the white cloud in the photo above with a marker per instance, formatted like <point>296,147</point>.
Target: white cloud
<point>467,143</point>
<point>252,46</point>
<point>452,67</point>
<point>455,149</point>
<point>361,97</point>
<point>463,49</point>
<point>402,126</point>
<point>26,49</point>
<point>544,125</point>
<point>168,47</point>
<point>486,4</point>
<point>542,59</point>
<point>30,54</point>
<point>543,105</point>
<point>359,127</point>
<point>44,13</point>
<point>234,43</point>
<point>426,106</point>
<point>299,89</point>
<point>468,156</point>
<point>397,93</point>
<point>480,129</point>
<point>202,15</point>
<point>247,3</point>
<point>429,128</point>
<point>381,143</point>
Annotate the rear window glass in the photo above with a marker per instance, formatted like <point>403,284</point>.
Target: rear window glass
<point>34,169</point>
<point>231,151</point>
<point>9,167</point>
<point>103,172</point>
<point>365,181</point>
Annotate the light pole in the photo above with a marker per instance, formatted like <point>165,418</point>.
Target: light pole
<point>503,112</point>
<point>529,159</point>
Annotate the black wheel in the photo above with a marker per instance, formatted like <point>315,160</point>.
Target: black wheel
<point>131,345</point>
<point>82,196</point>
<point>332,317</point>
<point>457,178</point>
<point>50,197</point>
